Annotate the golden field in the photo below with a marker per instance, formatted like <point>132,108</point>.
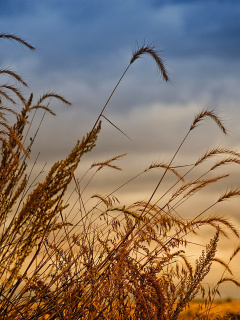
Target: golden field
<point>228,308</point>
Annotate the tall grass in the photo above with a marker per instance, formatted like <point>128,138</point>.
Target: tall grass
<point>117,261</point>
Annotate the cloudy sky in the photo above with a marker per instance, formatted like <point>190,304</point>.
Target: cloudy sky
<point>83,47</point>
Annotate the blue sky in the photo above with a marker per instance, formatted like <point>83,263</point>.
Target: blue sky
<point>92,42</point>
<point>82,48</point>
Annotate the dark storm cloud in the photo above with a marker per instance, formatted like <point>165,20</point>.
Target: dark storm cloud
<point>88,34</point>
<point>213,30</point>
<point>84,46</point>
<point>13,8</point>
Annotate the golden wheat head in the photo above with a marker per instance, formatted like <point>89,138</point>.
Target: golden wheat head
<point>152,52</point>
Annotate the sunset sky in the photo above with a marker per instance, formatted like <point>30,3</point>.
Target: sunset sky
<point>82,49</point>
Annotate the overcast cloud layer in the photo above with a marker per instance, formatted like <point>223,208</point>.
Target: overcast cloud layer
<point>82,48</point>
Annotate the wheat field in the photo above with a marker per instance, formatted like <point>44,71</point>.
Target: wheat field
<point>116,260</point>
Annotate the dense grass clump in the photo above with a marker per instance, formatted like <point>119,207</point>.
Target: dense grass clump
<point>118,261</point>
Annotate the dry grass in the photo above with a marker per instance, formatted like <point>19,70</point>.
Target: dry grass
<point>116,261</point>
